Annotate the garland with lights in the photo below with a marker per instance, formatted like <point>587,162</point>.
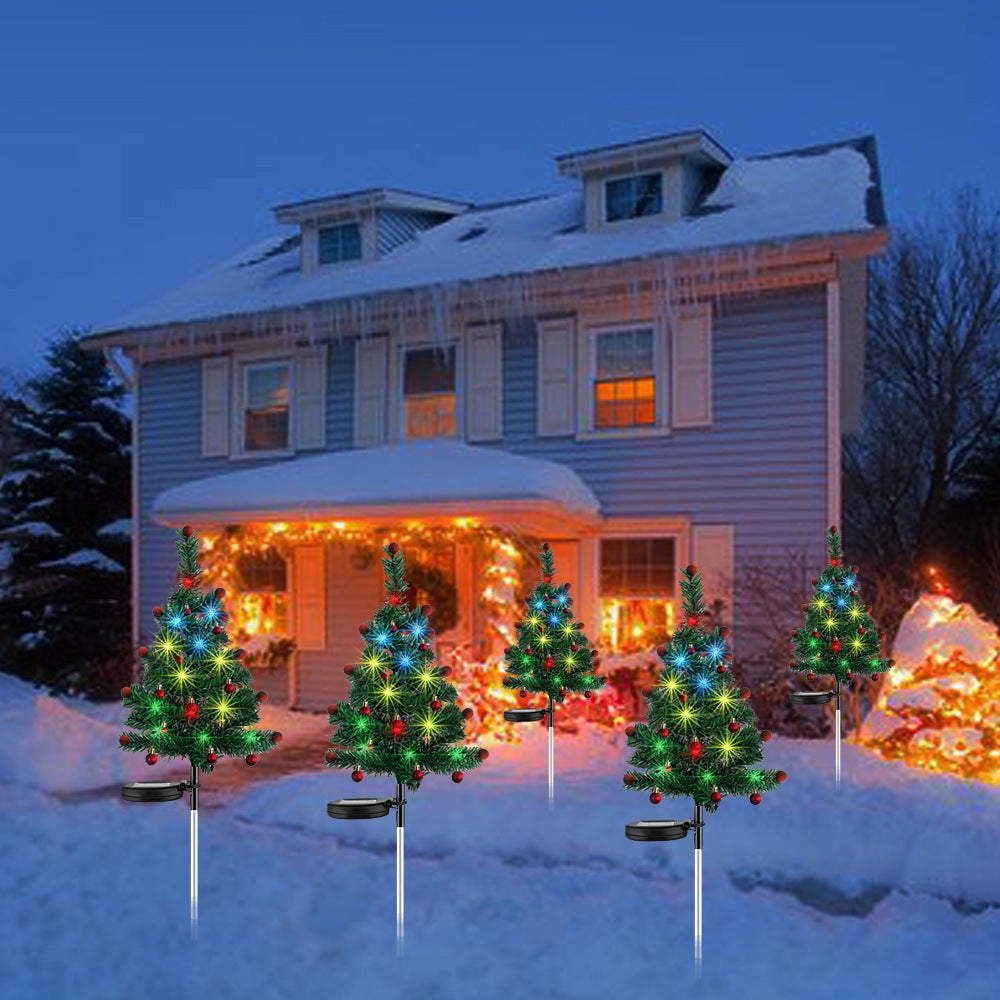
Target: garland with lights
<point>700,738</point>
<point>552,654</point>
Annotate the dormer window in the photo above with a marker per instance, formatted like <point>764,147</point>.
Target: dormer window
<point>633,197</point>
<point>339,243</point>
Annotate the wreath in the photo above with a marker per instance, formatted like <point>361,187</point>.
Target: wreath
<point>440,591</point>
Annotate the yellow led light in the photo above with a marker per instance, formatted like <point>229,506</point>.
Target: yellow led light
<point>429,726</point>
<point>820,603</point>
<point>387,693</point>
<point>830,622</point>
<point>543,640</point>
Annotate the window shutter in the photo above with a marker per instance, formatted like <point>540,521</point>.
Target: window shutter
<point>483,394</point>
<point>556,360</point>
<point>309,397</point>
<point>371,355</point>
<point>712,553</point>
<point>309,584</point>
<point>691,362</point>
<point>215,406</point>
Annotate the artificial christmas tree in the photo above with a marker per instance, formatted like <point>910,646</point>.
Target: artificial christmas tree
<point>551,656</point>
<point>194,698</point>
<point>699,738</point>
<point>401,717</point>
<point>839,637</point>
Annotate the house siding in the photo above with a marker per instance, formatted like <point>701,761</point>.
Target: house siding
<point>396,226</point>
<point>760,465</point>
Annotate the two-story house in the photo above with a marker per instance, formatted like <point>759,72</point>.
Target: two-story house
<point>652,368</point>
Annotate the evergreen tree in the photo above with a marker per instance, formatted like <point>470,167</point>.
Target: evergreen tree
<point>64,613</point>
<point>552,655</point>
<point>194,698</point>
<point>840,637</point>
<point>699,738</point>
<point>400,717</point>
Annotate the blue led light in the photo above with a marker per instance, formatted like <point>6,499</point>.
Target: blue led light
<point>176,620</point>
<point>198,643</point>
<point>211,612</point>
<point>540,603</point>
<point>382,637</point>
<point>841,602</point>
<point>554,619</point>
<point>704,682</point>
<point>826,587</point>
<point>405,663</point>
<point>715,650</point>
<point>680,659</point>
<point>418,628</point>
<point>562,598</point>
<point>849,582</point>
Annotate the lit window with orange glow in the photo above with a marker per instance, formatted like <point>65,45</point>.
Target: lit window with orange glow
<point>429,397</point>
<point>637,594</point>
<point>624,379</point>
<point>260,604</point>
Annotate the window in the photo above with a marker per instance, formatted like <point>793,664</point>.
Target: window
<point>429,392</point>
<point>624,379</point>
<point>637,592</point>
<point>632,197</point>
<point>263,593</point>
<point>338,243</point>
<point>265,406</point>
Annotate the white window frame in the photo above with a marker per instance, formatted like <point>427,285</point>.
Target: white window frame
<point>605,181</point>
<point>243,363</point>
<point>619,529</point>
<point>586,406</point>
<point>400,394</point>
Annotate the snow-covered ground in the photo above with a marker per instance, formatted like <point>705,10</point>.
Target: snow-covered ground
<point>890,889</point>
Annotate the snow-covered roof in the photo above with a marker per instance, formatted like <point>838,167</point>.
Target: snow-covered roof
<point>440,477</point>
<point>821,191</point>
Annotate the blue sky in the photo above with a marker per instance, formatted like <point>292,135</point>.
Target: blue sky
<point>142,142</point>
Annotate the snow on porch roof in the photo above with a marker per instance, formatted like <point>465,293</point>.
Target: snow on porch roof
<point>417,479</point>
<point>818,191</point>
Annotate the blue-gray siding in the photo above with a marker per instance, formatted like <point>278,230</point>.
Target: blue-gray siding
<point>396,227</point>
<point>761,466</point>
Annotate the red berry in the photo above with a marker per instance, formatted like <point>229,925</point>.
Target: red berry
<point>157,611</point>
<point>814,581</point>
<point>219,593</point>
<point>446,671</point>
<point>811,677</point>
<point>124,739</point>
<point>691,570</point>
<point>435,704</point>
<point>781,776</point>
<point>646,692</point>
<point>522,693</point>
<point>357,775</point>
<point>734,727</point>
<point>765,735</point>
<point>586,694</point>
<point>547,579</point>
<point>211,758</point>
<point>655,797</point>
<point>629,779</point>
<point>457,776</point>
<point>721,668</point>
<point>186,531</point>
<point>573,647</point>
<point>423,647</point>
<point>664,732</point>
<point>850,676</point>
<point>349,669</point>
<point>159,693</point>
<point>426,610</point>
<point>417,774</point>
<point>795,632</point>
<point>483,754</point>
<point>277,737</point>
<point>151,758</point>
<point>546,546</point>
<point>875,677</point>
<point>755,799</point>
<point>630,730</point>
<point>126,692</point>
<point>392,548</point>
<point>745,694</point>
<point>142,651</point>
<point>365,710</point>
<point>332,709</point>
<point>262,696</point>
<point>241,654</point>
<point>723,632</point>
<point>805,607</point>
<point>230,688</point>
<point>331,756</point>
<point>216,629</point>
<point>467,714</point>
<point>716,796</point>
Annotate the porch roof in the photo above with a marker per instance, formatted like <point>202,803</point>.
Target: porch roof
<point>433,480</point>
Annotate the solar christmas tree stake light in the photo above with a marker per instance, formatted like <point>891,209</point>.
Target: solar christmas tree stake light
<point>699,738</point>
<point>401,717</point>
<point>194,698</point>
<point>839,637</point>
<point>551,656</point>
